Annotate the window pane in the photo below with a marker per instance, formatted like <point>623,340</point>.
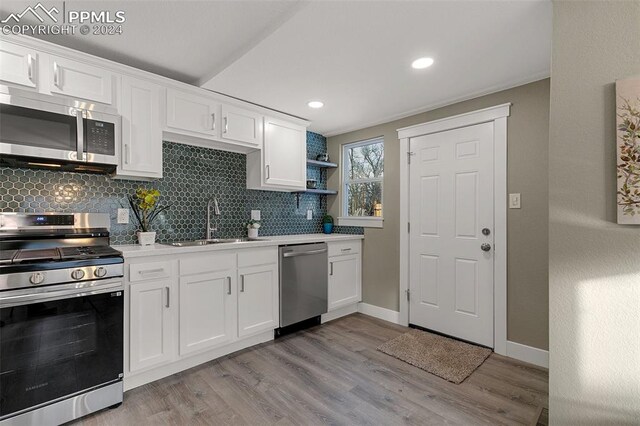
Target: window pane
<point>364,199</point>
<point>365,162</point>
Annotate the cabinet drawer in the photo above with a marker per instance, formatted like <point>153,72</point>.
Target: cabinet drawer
<point>211,262</point>
<point>263,256</point>
<point>149,271</point>
<point>344,247</point>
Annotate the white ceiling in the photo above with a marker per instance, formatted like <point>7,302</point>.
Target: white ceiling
<point>353,55</point>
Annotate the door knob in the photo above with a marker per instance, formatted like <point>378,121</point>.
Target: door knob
<point>485,247</point>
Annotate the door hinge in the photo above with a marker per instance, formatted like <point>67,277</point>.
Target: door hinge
<point>408,295</point>
<point>409,154</point>
<point>409,227</point>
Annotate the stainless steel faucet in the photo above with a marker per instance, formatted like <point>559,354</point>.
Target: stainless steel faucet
<point>216,211</point>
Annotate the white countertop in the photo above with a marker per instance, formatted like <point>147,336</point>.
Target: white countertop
<point>134,250</point>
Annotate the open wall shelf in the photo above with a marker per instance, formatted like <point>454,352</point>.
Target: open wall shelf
<point>318,191</point>
<point>322,164</point>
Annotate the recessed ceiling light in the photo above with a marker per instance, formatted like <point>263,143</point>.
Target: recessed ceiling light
<point>315,104</point>
<point>422,63</point>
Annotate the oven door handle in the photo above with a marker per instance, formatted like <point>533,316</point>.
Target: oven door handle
<point>44,294</point>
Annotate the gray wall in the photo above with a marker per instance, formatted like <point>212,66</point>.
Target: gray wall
<point>594,268</point>
<point>527,240</point>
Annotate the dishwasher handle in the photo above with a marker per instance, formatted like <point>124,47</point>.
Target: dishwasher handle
<point>303,253</point>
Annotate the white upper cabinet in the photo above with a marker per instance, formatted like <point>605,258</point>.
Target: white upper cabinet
<point>79,80</point>
<point>18,65</point>
<point>141,129</point>
<point>282,163</point>
<point>241,125</point>
<point>193,114</point>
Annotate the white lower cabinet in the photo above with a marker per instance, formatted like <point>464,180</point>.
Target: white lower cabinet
<point>345,277</point>
<point>207,310</point>
<point>150,324</point>
<point>257,299</point>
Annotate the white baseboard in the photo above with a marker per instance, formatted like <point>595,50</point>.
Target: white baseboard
<point>340,312</point>
<point>378,312</point>
<point>529,354</point>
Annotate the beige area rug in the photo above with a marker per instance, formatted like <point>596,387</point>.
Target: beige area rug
<point>447,358</point>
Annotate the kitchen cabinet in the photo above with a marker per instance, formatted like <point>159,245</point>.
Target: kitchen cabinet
<point>79,80</point>
<point>207,310</point>
<point>141,129</point>
<point>150,324</point>
<point>193,114</point>
<point>19,65</point>
<point>241,126</point>
<point>345,276</point>
<point>282,163</point>
<point>257,299</point>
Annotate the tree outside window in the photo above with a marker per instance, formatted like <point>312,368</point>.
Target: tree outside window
<point>363,175</point>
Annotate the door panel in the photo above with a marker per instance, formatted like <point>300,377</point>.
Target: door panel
<point>344,281</point>
<point>240,125</point>
<point>257,299</point>
<point>451,200</point>
<point>207,310</point>
<point>285,153</point>
<point>192,113</point>
<point>18,65</point>
<point>80,80</point>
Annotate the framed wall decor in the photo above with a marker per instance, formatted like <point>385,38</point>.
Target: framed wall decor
<point>628,150</point>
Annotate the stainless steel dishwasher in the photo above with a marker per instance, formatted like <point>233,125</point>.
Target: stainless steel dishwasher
<point>303,282</point>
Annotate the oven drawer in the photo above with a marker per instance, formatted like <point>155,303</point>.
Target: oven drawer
<point>149,271</point>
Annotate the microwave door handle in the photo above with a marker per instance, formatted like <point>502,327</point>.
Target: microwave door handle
<point>80,133</point>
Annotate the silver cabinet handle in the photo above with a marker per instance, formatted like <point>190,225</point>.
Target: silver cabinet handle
<point>168,290</point>
<point>30,67</point>
<point>242,283</point>
<point>226,125</point>
<point>126,154</point>
<point>303,253</point>
<point>268,174</point>
<point>485,247</point>
<point>56,75</point>
<point>345,249</point>
<point>151,271</point>
<point>213,121</point>
<point>228,285</point>
<point>330,268</point>
<point>80,133</point>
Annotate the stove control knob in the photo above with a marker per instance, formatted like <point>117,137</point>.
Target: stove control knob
<point>78,274</point>
<point>36,278</point>
<point>100,272</point>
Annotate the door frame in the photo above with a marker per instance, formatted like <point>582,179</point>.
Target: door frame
<point>498,116</point>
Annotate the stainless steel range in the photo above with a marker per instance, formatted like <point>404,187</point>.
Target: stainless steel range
<point>61,317</point>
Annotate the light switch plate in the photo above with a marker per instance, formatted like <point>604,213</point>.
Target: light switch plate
<point>123,216</point>
<point>255,214</point>
<point>514,201</point>
<point>309,214</point>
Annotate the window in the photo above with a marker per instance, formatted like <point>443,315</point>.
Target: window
<point>362,177</point>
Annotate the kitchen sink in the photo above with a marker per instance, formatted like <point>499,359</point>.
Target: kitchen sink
<point>193,243</point>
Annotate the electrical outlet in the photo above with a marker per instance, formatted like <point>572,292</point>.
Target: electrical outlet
<point>514,201</point>
<point>255,214</point>
<point>123,216</point>
<point>309,214</point>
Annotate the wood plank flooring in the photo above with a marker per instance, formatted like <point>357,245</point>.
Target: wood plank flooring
<point>333,374</point>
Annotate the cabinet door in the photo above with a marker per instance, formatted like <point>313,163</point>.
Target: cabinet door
<point>150,324</point>
<point>257,299</point>
<point>18,65</point>
<point>285,154</point>
<point>208,314</point>
<point>80,80</point>
<point>141,129</point>
<point>241,125</point>
<point>192,113</point>
<point>344,281</point>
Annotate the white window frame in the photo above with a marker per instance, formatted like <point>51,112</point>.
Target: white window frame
<point>363,221</point>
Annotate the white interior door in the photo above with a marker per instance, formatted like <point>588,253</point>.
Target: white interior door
<point>451,203</point>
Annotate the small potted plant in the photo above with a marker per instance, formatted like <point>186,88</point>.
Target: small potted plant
<point>252,228</point>
<point>146,209</point>
<point>327,224</point>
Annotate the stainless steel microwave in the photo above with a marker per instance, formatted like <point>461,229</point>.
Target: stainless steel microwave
<point>49,132</point>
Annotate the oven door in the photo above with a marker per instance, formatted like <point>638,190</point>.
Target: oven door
<point>59,342</point>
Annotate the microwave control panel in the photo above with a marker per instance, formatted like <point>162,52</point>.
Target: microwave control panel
<point>100,137</point>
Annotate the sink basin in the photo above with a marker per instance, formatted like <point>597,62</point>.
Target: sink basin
<point>212,241</point>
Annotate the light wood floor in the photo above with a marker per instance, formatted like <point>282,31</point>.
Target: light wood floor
<point>333,374</point>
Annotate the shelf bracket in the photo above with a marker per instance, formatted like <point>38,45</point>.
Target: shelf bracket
<point>297,200</point>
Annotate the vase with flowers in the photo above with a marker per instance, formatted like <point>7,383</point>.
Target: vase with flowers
<point>146,209</point>
<point>252,228</point>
